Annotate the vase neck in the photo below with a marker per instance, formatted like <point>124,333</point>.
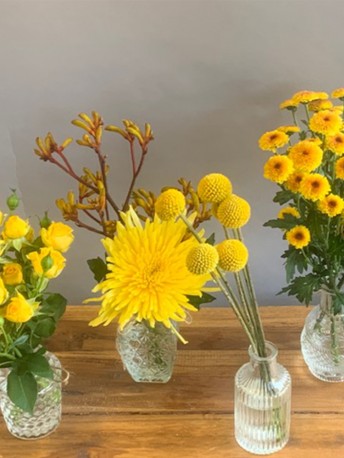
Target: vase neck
<point>267,364</point>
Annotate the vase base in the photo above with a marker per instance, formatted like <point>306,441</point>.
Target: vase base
<point>258,449</point>
<point>327,377</point>
<point>33,438</point>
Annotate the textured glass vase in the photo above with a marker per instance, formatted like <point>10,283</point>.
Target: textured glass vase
<point>262,402</point>
<point>322,340</point>
<point>147,353</point>
<point>47,411</point>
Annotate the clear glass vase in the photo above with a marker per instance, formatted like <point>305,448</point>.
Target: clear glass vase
<point>322,339</point>
<point>262,402</point>
<point>148,354</point>
<point>47,411</point>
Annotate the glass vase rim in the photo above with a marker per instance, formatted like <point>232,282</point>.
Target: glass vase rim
<point>272,351</point>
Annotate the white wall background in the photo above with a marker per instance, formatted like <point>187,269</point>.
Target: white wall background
<point>208,75</point>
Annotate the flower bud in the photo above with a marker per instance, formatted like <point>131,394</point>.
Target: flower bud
<point>13,200</point>
<point>45,221</point>
<point>47,263</point>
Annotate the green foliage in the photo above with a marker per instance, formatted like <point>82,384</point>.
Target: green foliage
<point>303,287</point>
<point>197,301</point>
<point>98,268</point>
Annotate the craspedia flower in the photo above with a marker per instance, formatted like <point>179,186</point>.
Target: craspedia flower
<point>214,188</point>
<point>233,255</point>
<point>289,130</point>
<point>202,259</point>
<point>306,156</point>
<point>278,168</point>
<point>288,104</point>
<point>299,236</point>
<point>314,186</point>
<point>308,96</point>
<point>339,168</point>
<point>288,211</point>
<point>325,122</point>
<point>170,204</point>
<point>294,181</point>
<point>335,143</point>
<point>233,212</point>
<point>318,105</point>
<point>272,140</point>
<point>332,205</point>
<point>338,93</point>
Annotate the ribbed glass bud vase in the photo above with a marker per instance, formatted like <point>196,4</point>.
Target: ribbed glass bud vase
<point>262,403</point>
<point>322,339</point>
<point>147,353</point>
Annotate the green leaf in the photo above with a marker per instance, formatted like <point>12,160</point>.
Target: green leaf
<point>38,365</point>
<point>303,287</point>
<point>285,223</point>
<point>98,267</point>
<point>282,197</point>
<point>22,390</point>
<point>54,305</point>
<point>196,301</point>
<point>211,239</point>
<point>45,327</point>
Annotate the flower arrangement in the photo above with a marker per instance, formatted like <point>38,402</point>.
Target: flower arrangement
<point>307,164</point>
<point>28,312</point>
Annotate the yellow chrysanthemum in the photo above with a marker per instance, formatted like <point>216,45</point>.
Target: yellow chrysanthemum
<point>338,109</point>
<point>288,211</point>
<point>338,93</point>
<point>214,188</point>
<point>170,204</point>
<point>233,255</point>
<point>335,143</point>
<point>332,205</point>
<point>272,140</point>
<point>278,168</point>
<point>148,278</point>
<point>294,181</point>
<point>288,104</point>
<point>233,212</point>
<point>306,156</point>
<point>289,130</point>
<point>339,168</point>
<point>314,186</point>
<point>308,96</point>
<point>318,105</point>
<point>202,259</point>
<point>299,236</point>
<point>326,122</point>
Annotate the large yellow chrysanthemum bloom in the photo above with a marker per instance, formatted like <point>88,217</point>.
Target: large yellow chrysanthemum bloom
<point>314,186</point>
<point>214,188</point>
<point>288,211</point>
<point>233,212</point>
<point>278,168</point>
<point>148,278</point>
<point>202,259</point>
<point>339,168</point>
<point>272,140</point>
<point>170,204</point>
<point>288,104</point>
<point>308,96</point>
<point>332,205</point>
<point>338,93</point>
<point>294,181</point>
<point>318,105</point>
<point>233,255</point>
<point>299,236</point>
<point>335,143</point>
<point>306,156</point>
<point>326,122</point>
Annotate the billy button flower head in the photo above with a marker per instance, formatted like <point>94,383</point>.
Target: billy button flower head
<point>306,156</point>
<point>202,259</point>
<point>170,204</point>
<point>271,141</point>
<point>233,255</point>
<point>299,236</point>
<point>314,186</point>
<point>278,168</point>
<point>214,188</point>
<point>234,212</point>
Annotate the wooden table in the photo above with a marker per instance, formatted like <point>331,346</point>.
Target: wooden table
<point>106,414</point>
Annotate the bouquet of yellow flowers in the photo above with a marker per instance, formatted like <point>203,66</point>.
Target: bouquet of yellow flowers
<point>28,312</point>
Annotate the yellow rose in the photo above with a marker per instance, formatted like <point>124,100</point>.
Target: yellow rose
<point>2,218</point>
<point>56,259</point>
<point>15,227</point>
<point>12,274</point>
<point>3,292</point>
<point>19,310</point>
<point>58,236</point>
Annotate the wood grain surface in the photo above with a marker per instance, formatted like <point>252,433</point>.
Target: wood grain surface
<point>106,414</point>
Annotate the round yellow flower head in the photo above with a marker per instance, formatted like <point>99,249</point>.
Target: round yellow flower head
<point>294,181</point>
<point>338,93</point>
<point>278,168</point>
<point>299,236</point>
<point>288,104</point>
<point>202,259</point>
<point>3,292</point>
<point>214,188</point>
<point>15,227</point>
<point>314,186</point>
<point>339,168</point>
<point>306,156</point>
<point>318,105</point>
<point>56,259</point>
<point>170,204</point>
<point>332,205</point>
<point>326,122</point>
<point>19,310</point>
<point>58,236</point>
<point>308,96</point>
<point>233,212</point>
<point>335,143</point>
<point>233,255</point>
<point>272,140</point>
<point>288,211</point>
<point>12,274</point>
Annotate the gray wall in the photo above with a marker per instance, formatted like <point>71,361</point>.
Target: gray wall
<point>208,75</point>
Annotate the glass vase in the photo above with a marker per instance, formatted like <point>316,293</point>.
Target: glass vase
<point>322,339</point>
<point>47,411</point>
<point>262,402</point>
<point>148,354</point>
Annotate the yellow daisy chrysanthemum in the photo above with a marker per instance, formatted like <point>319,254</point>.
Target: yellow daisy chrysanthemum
<point>339,168</point>
<point>315,140</point>
<point>288,211</point>
<point>332,205</point>
<point>337,109</point>
<point>214,188</point>
<point>314,186</point>
<point>306,156</point>
<point>338,93</point>
<point>147,275</point>
<point>326,122</point>
<point>170,204</point>
<point>233,212</point>
<point>299,236</point>
<point>272,140</point>
<point>202,259</point>
<point>233,255</point>
<point>318,105</point>
<point>335,143</point>
<point>278,168</point>
<point>308,96</point>
<point>288,104</point>
<point>289,130</point>
<point>294,181</point>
